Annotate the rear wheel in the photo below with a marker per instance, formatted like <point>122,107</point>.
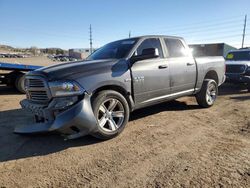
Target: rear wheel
<point>248,87</point>
<point>112,113</point>
<point>208,94</point>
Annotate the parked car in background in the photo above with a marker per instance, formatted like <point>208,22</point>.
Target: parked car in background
<point>61,58</point>
<point>96,96</point>
<point>8,55</point>
<point>238,67</point>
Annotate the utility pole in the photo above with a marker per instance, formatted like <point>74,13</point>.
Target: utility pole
<point>244,32</point>
<point>90,39</point>
<point>129,35</point>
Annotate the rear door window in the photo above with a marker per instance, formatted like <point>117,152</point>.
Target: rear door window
<point>175,48</point>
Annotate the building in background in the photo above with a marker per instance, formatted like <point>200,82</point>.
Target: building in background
<point>79,53</point>
<point>216,49</point>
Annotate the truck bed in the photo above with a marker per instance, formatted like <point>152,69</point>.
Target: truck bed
<point>204,64</point>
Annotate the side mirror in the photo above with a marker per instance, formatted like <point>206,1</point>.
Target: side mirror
<point>147,53</point>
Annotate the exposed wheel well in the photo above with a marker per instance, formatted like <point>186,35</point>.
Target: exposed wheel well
<point>114,88</point>
<point>212,75</point>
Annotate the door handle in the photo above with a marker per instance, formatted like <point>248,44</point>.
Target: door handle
<point>190,64</point>
<point>163,66</point>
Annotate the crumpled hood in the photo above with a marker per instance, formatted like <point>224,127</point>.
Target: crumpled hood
<point>62,71</point>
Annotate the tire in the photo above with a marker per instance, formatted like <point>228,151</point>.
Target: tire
<point>112,113</point>
<point>19,83</point>
<point>208,94</point>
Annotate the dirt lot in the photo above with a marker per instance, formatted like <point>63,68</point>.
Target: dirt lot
<point>174,144</point>
<point>37,60</point>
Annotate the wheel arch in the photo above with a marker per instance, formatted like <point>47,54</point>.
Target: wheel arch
<point>212,74</point>
<point>117,88</point>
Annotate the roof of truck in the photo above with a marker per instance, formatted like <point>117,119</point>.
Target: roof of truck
<point>160,36</point>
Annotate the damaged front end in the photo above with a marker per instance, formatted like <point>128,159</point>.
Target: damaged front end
<point>61,106</point>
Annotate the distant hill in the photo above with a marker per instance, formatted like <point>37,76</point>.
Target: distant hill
<point>6,49</point>
<point>31,50</point>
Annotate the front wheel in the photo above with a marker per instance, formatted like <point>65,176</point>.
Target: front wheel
<point>208,94</point>
<point>112,113</point>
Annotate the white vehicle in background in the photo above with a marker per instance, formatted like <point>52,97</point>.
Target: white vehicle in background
<point>238,67</point>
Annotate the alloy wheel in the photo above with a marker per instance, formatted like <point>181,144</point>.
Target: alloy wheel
<point>211,94</point>
<point>110,115</point>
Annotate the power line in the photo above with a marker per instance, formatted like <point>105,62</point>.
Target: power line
<point>211,31</point>
<point>201,28</point>
<point>216,38</point>
<point>198,25</point>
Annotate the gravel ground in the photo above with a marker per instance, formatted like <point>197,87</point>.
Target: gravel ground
<point>36,60</point>
<point>174,144</point>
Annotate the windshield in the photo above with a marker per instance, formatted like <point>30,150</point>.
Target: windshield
<point>238,56</point>
<point>114,50</point>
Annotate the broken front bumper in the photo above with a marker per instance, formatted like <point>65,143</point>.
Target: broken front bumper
<point>74,121</point>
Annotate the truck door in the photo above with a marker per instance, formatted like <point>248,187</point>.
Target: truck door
<point>151,76</point>
<point>182,66</point>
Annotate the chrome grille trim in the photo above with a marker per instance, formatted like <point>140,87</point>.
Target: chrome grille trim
<point>37,89</point>
<point>35,83</point>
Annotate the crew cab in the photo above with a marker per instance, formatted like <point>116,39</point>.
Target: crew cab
<point>238,67</point>
<point>96,96</point>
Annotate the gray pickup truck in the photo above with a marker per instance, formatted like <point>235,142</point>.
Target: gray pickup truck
<point>96,96</point>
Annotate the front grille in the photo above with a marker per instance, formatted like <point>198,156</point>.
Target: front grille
<point>35,83</point>
<point>36,89</point>
<point>38,95</point>
<point>238,69</point>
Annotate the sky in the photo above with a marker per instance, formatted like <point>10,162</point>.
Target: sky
<point>65,23</point>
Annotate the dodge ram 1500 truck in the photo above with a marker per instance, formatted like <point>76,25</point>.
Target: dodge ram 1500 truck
<point>238,67</point>
<point>96,96</point>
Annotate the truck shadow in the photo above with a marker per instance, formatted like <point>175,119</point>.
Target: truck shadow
<point>166,106</point>
<point>231,89</point>
<point>241,98</point>
<point>14,146</point>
